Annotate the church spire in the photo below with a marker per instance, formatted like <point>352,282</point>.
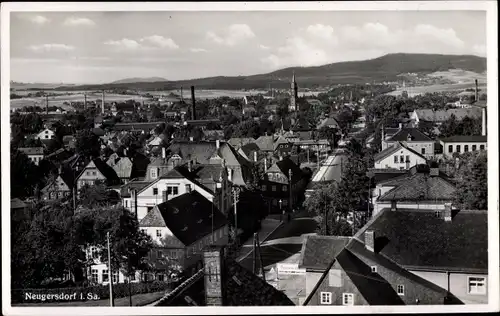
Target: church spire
<point>293,94</point>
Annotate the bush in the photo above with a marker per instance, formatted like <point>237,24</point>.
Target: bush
<point>102,291</point>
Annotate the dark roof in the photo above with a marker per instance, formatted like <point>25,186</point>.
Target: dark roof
<point>265,143</point>
<point>31,150</point>
<point>318,251</point>
<point>285,165</point>
<point>201,122</point>
<point>199,151</point>
<point>16,203</point>
<point>238,142</point>
<point>243,288</point>
<point>442,115</point>
<point>375,289</point>
<point>188,216</point>
<point>419,187</point>
<point>124,106</point>
<point>465,139</point>
<point>142,126</point>
<point>415,134</point>
<point>131,185</point>
<point>381,175</point>
<point>418,239</point>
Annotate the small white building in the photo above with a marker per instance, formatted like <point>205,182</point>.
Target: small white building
<point>398,156</point>
<point>35,154</point>
<point>462,144</point>
<point>46,134</point>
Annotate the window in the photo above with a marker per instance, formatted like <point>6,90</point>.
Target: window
<point>401,159</point>
<point>326,297</point>
<point>93,173</point>
<point>132,277</point>
<point>407,159</point>
<point>176,190</point>
<point>481,147</point>
<point>347,299</point>
<point>94,276</point>
<point>422,151</point>
<point>273,188</point>
<point>94,252</point>
<point>466,148</point>
<point>105,275</point>
<point>477,285</point>
<point>264,187</point>
<point>450,148</point>
<point>458,148</point>
<point>126,203</point>
<point>115,276</point>
<point>155,191</point>
<point>159,254</point>
<point>401,289</point>
<point>474,147</point>
<point>153,174</point>
<point>158,233</point>
<point>374,269</point>
<point>161,277</point>
<point>285,188</point>
<point>395,159</point>
<point>88,173</point>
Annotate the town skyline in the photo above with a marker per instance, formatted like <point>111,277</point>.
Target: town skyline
<point>96,47</point>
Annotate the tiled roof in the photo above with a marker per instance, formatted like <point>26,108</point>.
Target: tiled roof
<point>284,166</point>
<point>329,121</point>
<point>417,238</point>
<point>374,289</point>
<point>199,151</point>
<point>419,187</point>
<point>265,143</point>
<point>106,171</point>
<point>131,185</point>
<point>280,140</point>
<point>243,288</point>
<point>415,134</point>
<point>318,251</point>
<point>188,216</point>
<point>123,168</point>
<point>31,150</point>
<point>443,115</point>
<point>237,142</point>
<point>465,139</point>
<point>136,126</point>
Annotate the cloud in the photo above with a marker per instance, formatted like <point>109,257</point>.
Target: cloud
<point>198,50</point>
<point>51,48</point>
<point>264,47</point>
<point>38,19</point>
<point>443,36</point>
<point>479,50</point>
<point>297,51</point>
<point>160,41</point>
<point>322,31</point>
<point>124,43</point>
<point>235,34</point>
<point>74,21</point>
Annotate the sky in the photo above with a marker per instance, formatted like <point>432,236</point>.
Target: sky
<point>100,47</point>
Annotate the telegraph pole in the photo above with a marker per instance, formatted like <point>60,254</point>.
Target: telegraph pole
<point>253,253</point>
<point>290,188</point>
<point>236,197</point>
<point>111,299</point>
<point>260,257</point>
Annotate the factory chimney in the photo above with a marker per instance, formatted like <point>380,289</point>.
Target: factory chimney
<point>483,129</point>
<point>84,101</point>
<point>102,109</point>
<point>182,96</point>
<point>476,93</point>
<point>47,104</point>
<point>193,108</point>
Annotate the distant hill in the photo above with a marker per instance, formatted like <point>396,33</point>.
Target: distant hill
<point>36,86</point>
<point>385,68</point>
<point>134,80</point>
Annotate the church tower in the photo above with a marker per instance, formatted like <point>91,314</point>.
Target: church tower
<point>293,95</point>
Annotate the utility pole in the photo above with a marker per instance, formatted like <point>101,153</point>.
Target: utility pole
<point>111,299</point>
<point>253,253</point>
<point>290,188</point>
<point>236,196</point>
<point>260,257</point>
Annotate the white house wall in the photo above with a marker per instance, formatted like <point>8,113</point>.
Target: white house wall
<point>388,162</point>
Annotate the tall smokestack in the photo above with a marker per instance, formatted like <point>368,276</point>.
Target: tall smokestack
<point>193,109</point>
<point>84,101</point>
<point>102,109</point>
<point>483,130</point>
<point>47,104</point>
<point>476,92</point>
<point>182,96</point>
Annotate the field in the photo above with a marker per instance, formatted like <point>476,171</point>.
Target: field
<point>413,91</point>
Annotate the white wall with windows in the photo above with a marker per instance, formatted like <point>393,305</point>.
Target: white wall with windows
<point>450,148</point>
<point>402,159</point>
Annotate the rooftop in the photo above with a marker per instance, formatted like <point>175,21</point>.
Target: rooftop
<point>465,139</point>
<point>409,134</point>
<point>31,150</point>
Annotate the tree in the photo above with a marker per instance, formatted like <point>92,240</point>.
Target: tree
<point>156,113</point>
<point>24,177</point>
<point>87,144</point>
<point>97,196</point>
<point>472,181</point>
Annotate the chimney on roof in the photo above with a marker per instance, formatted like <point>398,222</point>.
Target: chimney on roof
<point>400,126</point>
<point>370,240</point>
<point>217,144</point>
<point>84,101</point>
<point>483,125</point>
<point>182,95</point>
<point>434,172</point>
<point>476,92</point>
<point>193,107</point>
<point>47,104</point>
<point>190,166</point>
<point>133,201</point>
<point>447,212</point>
<point>255,156</point>
<point>164,196</point>
<point>102,109</point>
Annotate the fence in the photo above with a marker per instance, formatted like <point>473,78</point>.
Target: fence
<point>82,293</point>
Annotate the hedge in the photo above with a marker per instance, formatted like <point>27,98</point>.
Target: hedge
<point>83,293</point>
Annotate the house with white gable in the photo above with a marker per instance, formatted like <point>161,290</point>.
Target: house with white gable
<point>46,134</point>
<point>398,156</point>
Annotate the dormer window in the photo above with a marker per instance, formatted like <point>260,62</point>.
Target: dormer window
<point>153,174</point>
